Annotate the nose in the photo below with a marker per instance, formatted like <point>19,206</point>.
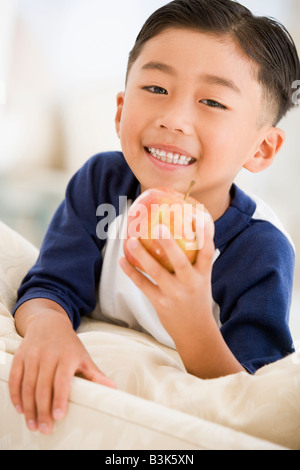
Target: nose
<point>176,116</point>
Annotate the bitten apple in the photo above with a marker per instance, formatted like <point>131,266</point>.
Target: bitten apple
<point>179,212</point>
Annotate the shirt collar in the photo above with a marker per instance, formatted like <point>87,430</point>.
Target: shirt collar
<point>235,219</point>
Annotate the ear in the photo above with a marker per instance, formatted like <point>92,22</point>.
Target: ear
<point>120,104</point>
<point>272,142</point>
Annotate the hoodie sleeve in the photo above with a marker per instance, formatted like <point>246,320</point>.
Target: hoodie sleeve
<point>253,284</point>
<point>69,265</point>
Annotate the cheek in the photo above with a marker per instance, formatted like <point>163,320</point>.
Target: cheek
<point>130,122</point>
<point>126,128</point>
<point>231,138</point>
<point>227,149</point>
<point>216,141</point>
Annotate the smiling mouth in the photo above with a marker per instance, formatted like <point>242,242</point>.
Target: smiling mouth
<point>170,157</point>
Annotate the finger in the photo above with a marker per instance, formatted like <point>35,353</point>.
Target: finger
<point>62,384</point>
<point>15,383</point>
<point>61,390</point>
<point>90,371</point>
<point>44,394</point>
<point>28,393</point>
<point>181,264</point>
<point>149,265</point>
<point>144,284</point>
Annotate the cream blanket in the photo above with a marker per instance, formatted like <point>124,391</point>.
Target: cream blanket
<point>157,404</point>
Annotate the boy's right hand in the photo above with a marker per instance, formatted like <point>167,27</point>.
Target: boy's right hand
<point>43,367</point>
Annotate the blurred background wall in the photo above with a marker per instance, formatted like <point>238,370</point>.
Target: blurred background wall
<point>62,63</point>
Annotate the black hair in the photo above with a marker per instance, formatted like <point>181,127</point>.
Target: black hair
<point>263,39</point>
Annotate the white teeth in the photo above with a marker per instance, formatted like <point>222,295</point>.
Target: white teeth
<point>170,157</point>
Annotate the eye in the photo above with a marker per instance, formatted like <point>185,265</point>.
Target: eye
<point>157,90</point>
<point>213,104</point>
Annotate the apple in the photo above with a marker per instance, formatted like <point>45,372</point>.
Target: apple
<point>164,206</point>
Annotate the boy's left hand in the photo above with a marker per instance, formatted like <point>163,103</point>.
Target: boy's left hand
<point>183,300</point>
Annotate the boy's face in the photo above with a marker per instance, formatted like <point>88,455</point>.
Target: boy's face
<point>190,94</point>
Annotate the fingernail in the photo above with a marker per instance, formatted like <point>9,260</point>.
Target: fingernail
<point>44,428</point>
<point>19,409</point>
<point>58,414</point>
<point>31,424</point>
<point>133,244</point>
<point>112,384</point>
<point>161,232</point>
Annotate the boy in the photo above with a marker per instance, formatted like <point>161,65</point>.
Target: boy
<point>206,85</point>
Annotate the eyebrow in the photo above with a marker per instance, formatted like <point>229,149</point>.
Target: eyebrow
<point>222,81</point>
<point>159,66</point>
<point>208,78</point>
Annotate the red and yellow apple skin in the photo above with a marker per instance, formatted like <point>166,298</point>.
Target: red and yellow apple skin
<point>163,206</point>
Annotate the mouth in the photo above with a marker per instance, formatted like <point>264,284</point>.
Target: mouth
<point>172,158</point>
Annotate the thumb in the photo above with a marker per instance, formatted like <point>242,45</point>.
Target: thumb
<point>90,371</point>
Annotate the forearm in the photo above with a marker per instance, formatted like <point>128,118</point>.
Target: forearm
<point>205,353</point>
<point>34,309</point>
<point>183,303</point>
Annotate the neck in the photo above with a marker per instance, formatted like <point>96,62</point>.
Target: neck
<point>216,204</point>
